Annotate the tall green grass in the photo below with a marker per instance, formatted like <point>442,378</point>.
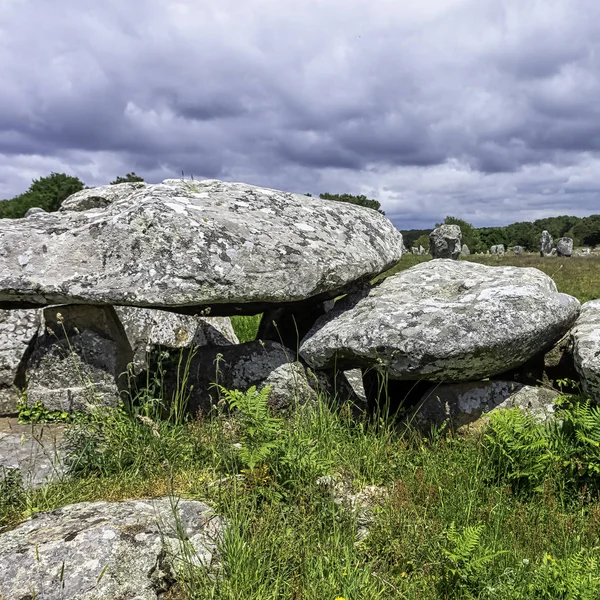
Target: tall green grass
<point>448,523</point>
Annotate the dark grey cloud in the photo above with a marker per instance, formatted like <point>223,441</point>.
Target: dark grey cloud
<point>485,109</point>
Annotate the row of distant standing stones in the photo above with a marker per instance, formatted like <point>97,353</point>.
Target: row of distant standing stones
<point>127,277</point>
<point>563,246</point>
<point>122,276</point>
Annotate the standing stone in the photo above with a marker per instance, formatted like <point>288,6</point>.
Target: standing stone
<point>414,250</point>
<point>465,250</point>
<point>585,336</point>
<point>545,244</point>
<point>445,242</point>
<point>443,320</point>
<point>187,246</point>
<point>564,247</point>
<point>85,352</point>
<point>497,249</point>
<point>518,250</point>
<point>18,331</point>
<point>422,251</point>
<point>34,210</point>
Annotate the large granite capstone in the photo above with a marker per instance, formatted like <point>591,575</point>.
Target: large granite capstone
<point>185,246</point>
<point>443,320</point>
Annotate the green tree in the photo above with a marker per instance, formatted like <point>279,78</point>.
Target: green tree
<point>587,231</point>
<point>129,178</point>
<point>360,200</point>
<point>47,193</point>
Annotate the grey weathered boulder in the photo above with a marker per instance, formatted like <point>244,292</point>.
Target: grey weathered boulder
<point>34,210</point>
<point>585,337</point>
<point>545,244</point>
<point>414,250</point>
<point>242,366</point>
<point>564,246</point>
<point>104,551</point>
<point>461,404</point>
<point>465,250</point>
<point>518,250</point>
<point>18,331</point>
<point>445,242</point>
<point>443,320</point>
<point>189,245</point>
<point>422,251</point>
<point>497,249</point>
<point>100,197</point>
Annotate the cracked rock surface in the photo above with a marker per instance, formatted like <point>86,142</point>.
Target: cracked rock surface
<point>585,336</point>
<point>105,550</point>
<point>189,245</point>
<point>444,320</point>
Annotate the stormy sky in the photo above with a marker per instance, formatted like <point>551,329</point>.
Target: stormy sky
<point>488,110</point>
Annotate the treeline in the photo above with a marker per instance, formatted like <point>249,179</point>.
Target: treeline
<point>49,193</point>
<point>585,231</point>
<point>361,200</point>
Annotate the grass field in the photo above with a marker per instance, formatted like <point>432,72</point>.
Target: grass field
<point>507,513</point>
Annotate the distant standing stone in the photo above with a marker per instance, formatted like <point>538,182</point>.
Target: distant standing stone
<point>518,250</point>
<point>564,247</point>
<point>545,244</point>
<point>465,250</point>
<point>497,249</point>
<point>445,242</point>
<point>34,210</point>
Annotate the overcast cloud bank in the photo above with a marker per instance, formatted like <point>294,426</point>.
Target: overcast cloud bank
<point>483,109</point>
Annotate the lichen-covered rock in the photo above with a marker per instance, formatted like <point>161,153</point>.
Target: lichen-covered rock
<point>107,551</point>
<point>585,337</point>
<point>460,404</point>
<point>148,329</point>
<point>497,249</point>
<point>240,367</point>
<point>545,244</point>
<point>100,197</point>
<point>445,242</point>
<point>18,331</point>
<point>518,250</point>
<point>564,247</point>
<point>191,245</point>
<point>443,320</point>
<point>465,250</point>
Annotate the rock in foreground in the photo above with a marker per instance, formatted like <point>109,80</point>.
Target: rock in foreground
<point>444,320</point>
<point>103,551</point>
<point>189,245</point>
